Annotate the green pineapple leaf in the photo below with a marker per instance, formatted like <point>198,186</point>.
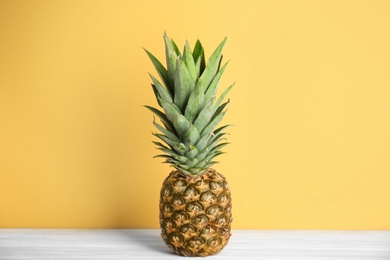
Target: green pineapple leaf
<point>171,57</point>
<point>192,153</point>
<point>181,124</point>
<point>222,96</point>
<point>168,125</point>
<point>219,146</point>
<point>175,48</point>
<point>195,104</point>
<point>203,142</point>
<point>208,165</point>
<point>167,133</point>
<point>204,116</point>
<point>199,56</point>
<point>220,129</point>
<point>212,67</point>
<point>170,109</point>
<point>183,83</point>
<point>163,93</point>
<point>213,155</point>
<point>191,136</point>
<point>191,163</point>
<point>162,146</point>
<point>162,71</point>
<point>165,156</point>
<point>166,150</point>
<point>189,61</point>
<point>213,141</point>
<point>156,94</point>
<point>209,128</point>
<point>220,109</point>
<point>213,88</point>
<point>178,159</point>
<point>198,71</point>
<point>168,141</point>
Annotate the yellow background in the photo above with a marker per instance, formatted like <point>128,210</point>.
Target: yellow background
<point>311,108</point>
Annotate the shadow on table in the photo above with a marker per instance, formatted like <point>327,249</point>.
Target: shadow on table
<point>149,239</point>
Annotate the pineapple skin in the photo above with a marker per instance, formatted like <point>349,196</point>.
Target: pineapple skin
<point>195,213</point>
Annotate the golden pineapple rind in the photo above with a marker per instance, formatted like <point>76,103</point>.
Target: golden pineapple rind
<point>195,213</point>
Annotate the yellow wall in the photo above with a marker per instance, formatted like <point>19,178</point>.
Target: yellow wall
<point>311,107</point>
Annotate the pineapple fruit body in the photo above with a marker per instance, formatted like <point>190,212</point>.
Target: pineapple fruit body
<point>195,213</point>
<point>195,202</point>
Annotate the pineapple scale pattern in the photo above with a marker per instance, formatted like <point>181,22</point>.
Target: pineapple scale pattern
<point>195,213</point>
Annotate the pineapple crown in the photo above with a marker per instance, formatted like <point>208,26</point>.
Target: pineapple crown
<point>190,110</point>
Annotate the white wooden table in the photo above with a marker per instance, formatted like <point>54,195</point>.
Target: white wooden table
<point>147,244</point>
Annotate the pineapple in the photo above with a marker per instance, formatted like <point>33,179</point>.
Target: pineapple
<point>195,200</point>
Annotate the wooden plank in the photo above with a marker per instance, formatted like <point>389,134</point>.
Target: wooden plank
<point>147,244</point>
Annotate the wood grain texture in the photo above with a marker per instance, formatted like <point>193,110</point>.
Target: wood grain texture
<point>147,244</point>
